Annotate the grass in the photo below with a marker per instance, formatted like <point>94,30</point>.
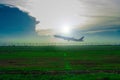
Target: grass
<point>61,58</point>
<point>99,76</point>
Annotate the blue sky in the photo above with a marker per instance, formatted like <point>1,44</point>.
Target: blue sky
<point>14,22</point>
<point>36,21</point>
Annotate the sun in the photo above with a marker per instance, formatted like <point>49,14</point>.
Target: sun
<point>66,30</point>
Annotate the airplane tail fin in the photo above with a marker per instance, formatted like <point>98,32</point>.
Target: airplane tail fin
<point>81,39</point>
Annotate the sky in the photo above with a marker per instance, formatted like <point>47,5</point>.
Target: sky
<point>37,21</point>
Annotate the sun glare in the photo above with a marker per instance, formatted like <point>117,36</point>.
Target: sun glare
<point>65,30</point>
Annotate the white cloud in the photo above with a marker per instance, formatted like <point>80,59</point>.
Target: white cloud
<point>99,31</point>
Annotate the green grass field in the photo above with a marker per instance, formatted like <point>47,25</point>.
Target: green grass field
<point>94,62</point>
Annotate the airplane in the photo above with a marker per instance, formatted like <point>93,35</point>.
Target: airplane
<point>69,38</point>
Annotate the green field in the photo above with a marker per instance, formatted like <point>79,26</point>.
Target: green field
<point>91,61</point>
